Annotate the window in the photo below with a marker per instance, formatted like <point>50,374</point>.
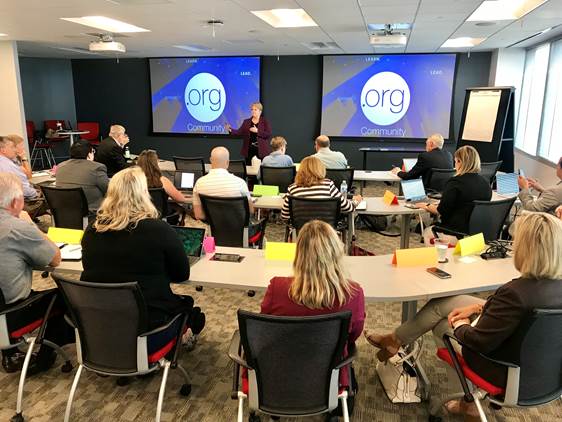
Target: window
<point>550,145</point>
<point>532,96</point>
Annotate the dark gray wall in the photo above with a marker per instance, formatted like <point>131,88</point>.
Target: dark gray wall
<point>111,92</point>
<point>48,90</point>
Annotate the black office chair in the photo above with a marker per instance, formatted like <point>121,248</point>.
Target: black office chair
<point>160,200</point>
<point>17,324</point>
<point>278,176</point>
<point>238,168</point>
<point>229,219</point>
<point>487,217</point>
<point>303,210</point>
<point>195,165</point>
<point>339,175</point>
<point>535,379</point>
<point>488,171</point>
<point>438,178</point>
<point>112,334</point>
<point>293,364</point>
<point>69,206</point>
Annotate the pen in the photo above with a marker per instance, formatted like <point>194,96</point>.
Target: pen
<point>76,248</point>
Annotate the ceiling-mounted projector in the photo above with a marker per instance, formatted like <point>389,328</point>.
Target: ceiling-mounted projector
<point>105,44</point>
<point>388,40</point>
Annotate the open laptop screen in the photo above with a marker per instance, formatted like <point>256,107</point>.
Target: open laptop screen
<point>183,180</point>
<point>507,183</point>
<point>191,239</point>
<point>413,189</point>
<point>409,163</point>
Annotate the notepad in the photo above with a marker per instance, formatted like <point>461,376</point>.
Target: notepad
<point>266,190</point>
<point>361,206</point>
<point>71,253</point>
<point>69,236</point>
<point>280,251</point>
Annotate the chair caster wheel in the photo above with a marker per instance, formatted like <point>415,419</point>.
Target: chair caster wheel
<point>254,418</point>
<point>433,418</point>
<point>251,293</point>
<point>67,367</point>
<point>495,406</point>
<point>185,389</point>
<point>199,288</point>
<point>122,381</point>
<point>18,417</point>
<point>44,274</point>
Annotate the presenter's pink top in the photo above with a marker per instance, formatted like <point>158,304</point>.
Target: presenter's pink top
<point>277,302</point>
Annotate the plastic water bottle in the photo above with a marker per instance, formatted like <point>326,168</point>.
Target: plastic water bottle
<point>343,188</point>
<point>127,153</point>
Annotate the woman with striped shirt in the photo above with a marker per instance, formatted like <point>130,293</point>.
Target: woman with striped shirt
<point>311,182</point>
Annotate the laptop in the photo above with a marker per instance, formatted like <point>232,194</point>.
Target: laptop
<point>414,190</point>
<point>192,241</point>
<point>507,184</point>
<point>184,181</point>
<point>409,163</point>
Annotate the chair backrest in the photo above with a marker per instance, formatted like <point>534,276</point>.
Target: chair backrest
<point>293,360</point>
<point>108,318</point>
<point>488,170</point>
<point>229,219</point>
<point>160,201</point>
<point>539,341</point>
<point>69,206</point>
<point>488,217</point>
<point>92,127</point>
<point>303,210</point>
<point>30,131</point>
<point>278,176</point>
<point>195,165</point>
<point>438,179</point>
<point>238,168</point>
<point>339,175</point>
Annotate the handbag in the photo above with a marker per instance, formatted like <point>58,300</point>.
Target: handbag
<point>398,375</point>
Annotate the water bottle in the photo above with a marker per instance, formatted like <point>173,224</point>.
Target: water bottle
<point>127,152</point>
<point>343,188</point>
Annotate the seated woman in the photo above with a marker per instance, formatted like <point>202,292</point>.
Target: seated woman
<point>466,186</point>
<point>128,242</point>
<point>148,162</point>
<point>538,257</point>
<point>311,182</point>
<point>319,285</point>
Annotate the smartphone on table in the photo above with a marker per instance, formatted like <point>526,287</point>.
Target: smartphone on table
<point>437,272</point>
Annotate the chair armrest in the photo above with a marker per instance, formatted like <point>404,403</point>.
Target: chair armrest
<point>235,349</point>
<point>352,354</point>
<point>69,321</point>
<point>444,230</point>
<point>483,356</point>
<point>161,328</point>
<point>31,299</point>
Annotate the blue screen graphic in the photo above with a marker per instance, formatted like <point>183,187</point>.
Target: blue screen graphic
<point>387,96</point>
<point>202,94</point>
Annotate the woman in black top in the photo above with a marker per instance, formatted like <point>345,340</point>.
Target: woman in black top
<point>466,186</point>
<point>497,333</point>
<point>127,242</point>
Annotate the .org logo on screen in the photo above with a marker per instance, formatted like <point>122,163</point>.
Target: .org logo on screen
<point>205,97</point>
<point>385,98</point>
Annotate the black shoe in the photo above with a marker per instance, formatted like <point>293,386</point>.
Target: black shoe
<point>13,362</point>
<point>43,362</point>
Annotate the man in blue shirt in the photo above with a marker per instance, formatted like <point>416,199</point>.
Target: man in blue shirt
<point>278,158</point>
<point>331,159</point>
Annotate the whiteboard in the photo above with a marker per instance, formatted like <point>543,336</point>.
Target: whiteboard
<point>481,115</point>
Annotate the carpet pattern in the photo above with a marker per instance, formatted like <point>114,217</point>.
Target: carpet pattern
<point>100,399</point>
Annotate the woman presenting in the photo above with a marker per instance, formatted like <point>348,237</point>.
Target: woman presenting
<point>256,133</point>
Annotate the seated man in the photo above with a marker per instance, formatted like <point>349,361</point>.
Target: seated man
<point>21,156</point>
<point>34,203</point>
<point>434,157</point>
<point>277,157</point>
<point>22,247</point>
<point>111,150</point>
<point>219,182</point>
<point>82,172</point>
<point>549,198</point>
<point>331,159</point>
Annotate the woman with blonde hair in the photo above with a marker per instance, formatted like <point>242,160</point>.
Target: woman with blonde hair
<point>460,191</point>
<point>128,242</point>
<point>311,182</point>
<point>148,162</point>
<point>538,257</point>
<point>319,285</point>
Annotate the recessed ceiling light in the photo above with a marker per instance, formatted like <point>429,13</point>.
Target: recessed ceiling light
<point>285,18</point>
<point>499,10</point>
<point>193,47</point>
<point>462,42</point>
<point>106,24</point>
<point>3,35</point>
<point>394,26</point>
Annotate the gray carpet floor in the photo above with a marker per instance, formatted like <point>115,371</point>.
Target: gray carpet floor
<point>100,399</point>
